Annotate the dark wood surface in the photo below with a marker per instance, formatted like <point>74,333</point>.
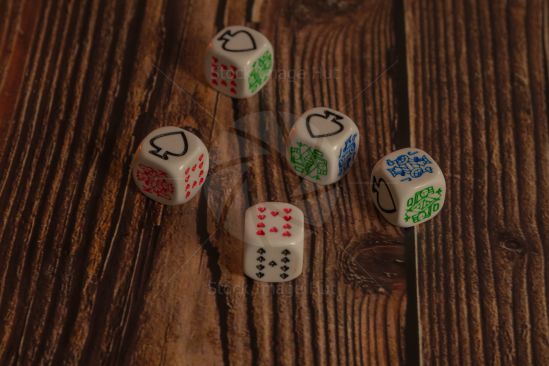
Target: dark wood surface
<point>92,272</point>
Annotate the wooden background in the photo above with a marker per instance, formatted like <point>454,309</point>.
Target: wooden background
<point>92,272</point>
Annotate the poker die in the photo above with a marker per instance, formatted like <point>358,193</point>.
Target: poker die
<point>239,61</point>
<point>408,187</point>
<point>323,144</point>
<point>170,165</point>
<point>273,235</point>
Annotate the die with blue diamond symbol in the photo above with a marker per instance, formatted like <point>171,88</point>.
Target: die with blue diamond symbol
<point>408,187</point>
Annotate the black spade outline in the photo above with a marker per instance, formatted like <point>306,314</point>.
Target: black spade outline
<point>166,152</point>
<point>231,35</point>
<point>327,114</point>
<point>376,184</point>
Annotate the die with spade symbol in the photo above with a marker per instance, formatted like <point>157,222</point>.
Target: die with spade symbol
<point>322,145</point>
<point>273,236</point>
<point>170,165</point>
<point>239,61</point>
<point>408,187</point>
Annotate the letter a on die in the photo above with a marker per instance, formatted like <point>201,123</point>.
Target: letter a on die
<point>273,235</point>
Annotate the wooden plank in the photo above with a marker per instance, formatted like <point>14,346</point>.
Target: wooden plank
<point>477,85</point>
<point>93,272</point>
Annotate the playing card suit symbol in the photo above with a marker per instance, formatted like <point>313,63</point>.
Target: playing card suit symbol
<point>260,267</point>
<point>201,157</point>
<point>284,276</point>
<point>224,67</point>
<point>201,165</point>
<point>194,167</point>
<point>214,59</point>
<point>261,251</point>
<point>233,91</point>
<point>286,233</point>
<point>274,213</point>
<point>259,274</point>
<point>287,218</point>
<point>223,82</point>
<point>261,217</point>
<point>201,180</point>
<point>287,210</point>
<point>214,75</point>
<point>187,178</point>
<point>201,173</point>
<point>260,224</point>
<point>187,171</point>
<point>194,184</point>
<point>260,232</point>
<point>272,263</point>
<point>233,83</point>
<point>187,194</point>
<point>233,68</point>
<point>325,125</point>
<point>188,187</point>
<point>239,41</point>
<point>285,259</point>
<point>171,143</point>
<point>285,268</point>
<point>261,209</point>
<point>384,197</point>
<point>273,230</point>
<point>261,259</point>
<point>214,82</point>
<point>287,226</point>
<point>286,252</point>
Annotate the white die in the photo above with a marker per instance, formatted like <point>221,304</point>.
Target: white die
<point>273,235</point>
<point>170,165</point>
<point>408,187</point>
<point>322,146</point>
<point>239,61</point>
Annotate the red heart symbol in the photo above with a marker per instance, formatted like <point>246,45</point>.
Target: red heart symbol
<point>187,171</point>
<point>201,165</point>
<point>201,180</point>
<point>260,232</point>
<point>260,224</point>
<point>214,59</point>
<point>287,226</point>
<point>261,217</point>
<point>286,233</point>
<point>274,213</point>
<point>194,184</point>
<point>187,187</point>
<point>287,218</point>
<point>261,209</point>
<point>287,210</point>
<point>201,173</point>
<point>187,178</point>
<point>188,194</point>
<point>274,230</point>
<point>201,157</point>
<point>194,167</point>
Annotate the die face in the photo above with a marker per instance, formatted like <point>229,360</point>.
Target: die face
<point>408,187</point>
<point>323,145</point>
<point>273,235</point>
<point>239,61</point>
<point>170,165</point>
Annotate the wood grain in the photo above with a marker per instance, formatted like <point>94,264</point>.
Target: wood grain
<point>478,96</point>
<point>92,272</point>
